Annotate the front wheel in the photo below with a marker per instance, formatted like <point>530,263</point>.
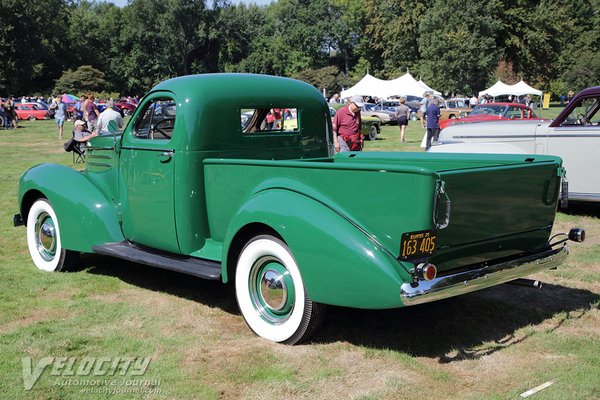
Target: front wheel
<point>271,294</point>
<point>43,238</point>
<point>31,118</point>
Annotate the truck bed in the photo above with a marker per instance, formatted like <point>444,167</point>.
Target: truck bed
<point>501,205</point>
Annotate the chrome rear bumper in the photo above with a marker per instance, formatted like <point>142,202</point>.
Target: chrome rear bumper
<point>491,275</point>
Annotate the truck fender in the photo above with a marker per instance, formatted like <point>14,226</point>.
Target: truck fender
<point>339,263</point>
<point>462,147</point>
<point>87,217</point>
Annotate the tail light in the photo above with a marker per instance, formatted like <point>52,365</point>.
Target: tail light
<point>426,271</point>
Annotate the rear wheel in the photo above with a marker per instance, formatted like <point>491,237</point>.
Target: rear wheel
<point>31,118</point>
<point>373,133</point>
<point>43,239</point>
<point>271,294</point>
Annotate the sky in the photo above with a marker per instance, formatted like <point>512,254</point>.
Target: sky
<point>122,3</point>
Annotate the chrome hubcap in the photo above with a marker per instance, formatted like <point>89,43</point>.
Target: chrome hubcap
<point>45,236</point>
<point>272,290</point>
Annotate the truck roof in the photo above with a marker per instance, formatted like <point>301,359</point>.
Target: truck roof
<point>212,106</point>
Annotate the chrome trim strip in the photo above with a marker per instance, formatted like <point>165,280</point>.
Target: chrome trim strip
<point>491,275</point>
<point>584,196</point>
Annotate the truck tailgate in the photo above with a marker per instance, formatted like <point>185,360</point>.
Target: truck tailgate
<point>497,212</point>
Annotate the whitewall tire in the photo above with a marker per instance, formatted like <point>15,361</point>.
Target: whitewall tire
<point>43,238</point>
<point>271,294</point>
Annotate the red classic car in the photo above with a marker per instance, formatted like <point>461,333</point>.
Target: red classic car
<point>31,111</point>
<point>493,112</point>
<point>126,107</point>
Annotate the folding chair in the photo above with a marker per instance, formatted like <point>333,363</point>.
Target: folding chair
<point>78,154</point>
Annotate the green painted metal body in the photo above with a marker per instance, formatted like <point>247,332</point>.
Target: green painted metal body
<point>342,216</point>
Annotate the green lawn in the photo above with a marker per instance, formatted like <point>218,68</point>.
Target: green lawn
<point>494,344</point>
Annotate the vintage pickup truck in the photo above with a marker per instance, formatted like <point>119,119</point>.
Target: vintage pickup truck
<point>574,135</point>
<point>189,187</point>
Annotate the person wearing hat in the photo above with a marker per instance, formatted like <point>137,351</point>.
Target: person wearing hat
<point>81,135</point>
<point>346,128</point>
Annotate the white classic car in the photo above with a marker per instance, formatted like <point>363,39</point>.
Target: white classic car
<point>574,135</point>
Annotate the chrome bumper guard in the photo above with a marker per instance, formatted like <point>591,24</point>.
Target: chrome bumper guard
<point>481,278</point>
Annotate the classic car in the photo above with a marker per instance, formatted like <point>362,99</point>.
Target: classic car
<point>378,111</point>
<point>574,135</point>
<point>493,112</point>
<point>451,109</point>
<point>125,107</point>
<point>371,126</point>
<point>31,111</point>
<point>294,225</point>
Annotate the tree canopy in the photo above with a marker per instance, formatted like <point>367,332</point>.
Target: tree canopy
<point>455,46</point>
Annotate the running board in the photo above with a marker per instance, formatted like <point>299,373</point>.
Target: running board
<point>206,269</point>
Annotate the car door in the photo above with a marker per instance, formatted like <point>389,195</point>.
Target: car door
<point>147,165</point>
<point>577,141</point>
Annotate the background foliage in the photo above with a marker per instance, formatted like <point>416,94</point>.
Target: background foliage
<point>457,47</point>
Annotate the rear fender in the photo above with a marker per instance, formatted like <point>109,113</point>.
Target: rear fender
<point>339,263</point>
<point>87,217</point>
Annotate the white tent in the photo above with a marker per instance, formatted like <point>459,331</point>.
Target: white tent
<point>518,89</point>
<point>498,89</point>
<point>367,86</point>
<point>427,88</point>
<point>405,85</point>
<point>521,89</point>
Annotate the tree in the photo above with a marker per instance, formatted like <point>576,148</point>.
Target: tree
<point>392,30</point>
<point>31,44</point>
<point>458,50</point>
<point>84,79</point>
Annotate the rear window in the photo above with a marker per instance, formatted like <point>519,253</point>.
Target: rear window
<point>269,120</point>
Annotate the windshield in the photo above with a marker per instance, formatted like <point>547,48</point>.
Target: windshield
<point>484,109</point>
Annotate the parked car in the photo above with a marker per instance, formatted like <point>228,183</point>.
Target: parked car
<point>385,115</point>
<point>293,225</point>
<point>371,126</point>
<point>392,105</point>
<point>125,107</point>
<point>31,111</point>
<point>574,135</point>
<point>451,109</point>
<point>493,112</point>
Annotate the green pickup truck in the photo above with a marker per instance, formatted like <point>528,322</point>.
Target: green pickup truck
<point>233,177</point>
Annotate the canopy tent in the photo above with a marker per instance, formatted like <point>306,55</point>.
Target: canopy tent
<point>427,88</point>
<point>367,86</point>
<point>405,85</point>
<point>521,88</point>
<point>502,89</point>
<point>498,89</point>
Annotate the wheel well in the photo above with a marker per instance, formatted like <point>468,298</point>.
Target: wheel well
<point>239,241</point>
<point>28,199</point>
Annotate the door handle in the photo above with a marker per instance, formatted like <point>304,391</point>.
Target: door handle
<point>165,156</point>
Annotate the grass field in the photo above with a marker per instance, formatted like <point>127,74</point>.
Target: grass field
<point>493,344</point>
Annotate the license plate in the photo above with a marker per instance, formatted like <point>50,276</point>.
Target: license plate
<point>417,244</point>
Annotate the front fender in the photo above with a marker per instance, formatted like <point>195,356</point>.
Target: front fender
<point>339,263</point>
<point>85,214</point>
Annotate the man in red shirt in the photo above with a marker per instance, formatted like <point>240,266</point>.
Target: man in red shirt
<point>346,128</point>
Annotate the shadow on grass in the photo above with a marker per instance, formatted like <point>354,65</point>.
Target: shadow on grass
<point>450,330</point>
<point>456,329</point>
<point>210,293</point>
<point>583,209</point>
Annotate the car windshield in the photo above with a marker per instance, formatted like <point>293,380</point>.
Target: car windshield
<point>484,109</point>
<point>369,107</point>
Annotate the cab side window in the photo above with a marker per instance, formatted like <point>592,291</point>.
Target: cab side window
<point>157,120</point>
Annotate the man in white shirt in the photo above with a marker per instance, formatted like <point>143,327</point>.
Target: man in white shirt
<point>106,116</point>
